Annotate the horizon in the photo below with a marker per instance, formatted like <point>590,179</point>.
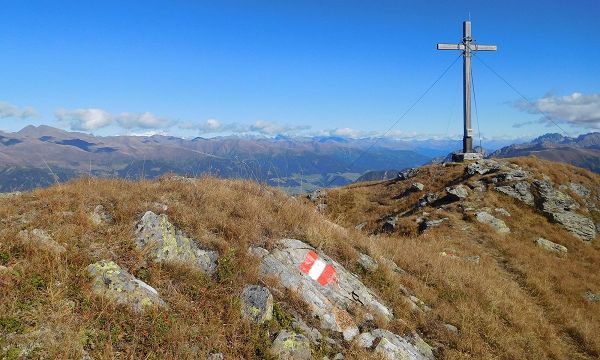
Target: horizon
<point>298,70</point>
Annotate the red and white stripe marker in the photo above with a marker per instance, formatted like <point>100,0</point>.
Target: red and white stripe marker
<point>317,269</point>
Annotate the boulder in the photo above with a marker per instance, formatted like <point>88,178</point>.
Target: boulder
<point>579,225</point>
<point>367,262</point>
<point>520,190</point>
<point>291,346</point>
<point>165,243</point>
<point>553,200</point>
<point>39,238</point>
<point>257,303</point>
<point>110,281</point>
<point>427,199</point>
<point>408,173</point>
<point>550,246</point>
<point>100,215</point>
<point>498,225</point>
<point>482,167</point>
<point>291,262</point>
<point>457,192</point>
<point>416,187</point>
<point>302,327</point>
<point>579,189</point>
<point>395,347</point>
<point>427,224</point>
<point>512,175</point>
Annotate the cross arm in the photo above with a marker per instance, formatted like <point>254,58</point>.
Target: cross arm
<point>478,47</point>
<point>450,47</point>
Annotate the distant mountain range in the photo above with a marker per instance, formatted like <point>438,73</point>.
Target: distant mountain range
<point>582,151</point>
<point>40,156</point>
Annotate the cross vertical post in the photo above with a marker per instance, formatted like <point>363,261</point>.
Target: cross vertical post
<point>467,46</point>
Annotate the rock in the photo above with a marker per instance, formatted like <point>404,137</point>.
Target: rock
<point>389,224</point>
<point>338,356</point>
<point>512,175</point>
<point>416,187</point>
<point>488,219</point>
<point>116,284</point>
<point>41,239</point>
<point>360,226</point>
<point>291,346</point>
<point>316,195</point>
<point>550,246</point>
<point>427,224</point>
<point>311,333</point>
<point>558,206</point>
<point>483,167</point>
<point>365,340</point>
<point>408,173</point>
<point>164,242</point>
<point>392,265</point>
<point>321,207</point>
<point>100,215</point>
<point>427,199</point>
<point>329,302</point>
<point>418,303</point>
<point>8,195</point>
<point>519,190</point>
<point>591,297</point>
<point>395,347</point>
<point>478,186</point>
<point>367,262</point>
<point>215,356</point>
<point>257,303</point>
<point>160,206</point>
<point>3,268</point>
<point>451,328</point>
<point>580,190</point>
<point>457,192</point>
<point>502,211</point>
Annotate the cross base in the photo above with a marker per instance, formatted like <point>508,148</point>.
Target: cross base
<point>462,157</point>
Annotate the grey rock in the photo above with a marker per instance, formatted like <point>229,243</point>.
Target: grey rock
<point>389,224</point>
<point>550,246</point>
<point>338,356</point>
<point>316,195</point>
<point>329,302</point>
<point>360,226</point>
<point>475,259</point>
<point>457,192</point>
<point>257,303</point>
<point>215,356</point>
<point>41,239</point>
<point>579,225</point>
<point>417,304</point>
<point>579,190</point>
<point>591,297</point>
<point>164,242</point>
<point>451,328</point>
<point>478,186</point>
<point>416,187</point>
<point>395,347</point>
<point>392,265</point>
<point>512,175</point>
<point>302,327</point>
<point>519,190</point>
<point>100,215</point>
<point>427,199</point>
<point>502,211</point>
<point>408,173</point>
<point>116,284</point>
<point>428,224</point>
<point>554,200</point>
<point>498,225</point>
<point>291,346</point>
<point>321,207</point>
<point>365,340</point>
<point>8,195</point>
<point>483,167</point>
<point>367,262</point>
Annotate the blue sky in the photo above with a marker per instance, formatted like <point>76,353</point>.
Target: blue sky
<point>200,68</point>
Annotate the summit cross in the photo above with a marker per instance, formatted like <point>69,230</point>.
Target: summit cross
<point>468,46</point>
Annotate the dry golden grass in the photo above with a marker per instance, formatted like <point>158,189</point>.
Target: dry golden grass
<point>520,302</point>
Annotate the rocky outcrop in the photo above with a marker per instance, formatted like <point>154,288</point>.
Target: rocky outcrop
<point>40,239</point>
<point>558,207</point>
<point>329,303</point>
<point>165,243</point>
<point>100,216</point>
<point>257,304</point>
<point>482,167</point>
<point>457,192</point>
<point>498,225</point>
<point>416,187</point>
<point>520,190</point>
<point>408,173</point>
<point>112,282</point>
<point>394,347</point>
<point>550,246</point>
<point>291,346</point>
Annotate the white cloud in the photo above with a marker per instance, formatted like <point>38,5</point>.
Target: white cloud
<point>8,110</point>
<point>577,109</point>
<point>93,119</point>
<point>261,127</point>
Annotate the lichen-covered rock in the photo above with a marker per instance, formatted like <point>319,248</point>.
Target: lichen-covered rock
<point>109,280</point>
<point>520,190</point>
<point>553,200</point>
<point>41,239</point>
<point>311,333</point>
<point>164,242</point>
<point>257,303</point>
<point>498,225</point>
<point>416,187</point>
<point>291,346</point>
<point>550,246</point>
<point>579,189</point>
<point>395,347</point>
<point>100,215</point>
<point>367,262</point>
<point>457,192</point>
<point>579,225</point>
<point>408,173</point>
<point>483,167</point>
<point>330,302</point>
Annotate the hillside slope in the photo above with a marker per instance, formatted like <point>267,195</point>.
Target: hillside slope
<point>185,268</point>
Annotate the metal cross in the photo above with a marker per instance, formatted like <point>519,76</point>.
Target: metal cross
<point>467,46</point>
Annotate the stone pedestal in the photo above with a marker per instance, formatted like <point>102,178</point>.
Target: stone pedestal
<point>461,157</point>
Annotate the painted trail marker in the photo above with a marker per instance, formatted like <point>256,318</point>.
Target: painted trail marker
<point>317,269</point>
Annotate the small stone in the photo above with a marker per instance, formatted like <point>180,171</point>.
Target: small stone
<point>316,195</point>
<point>360,226</point>
<point>100,216</point>
<point>257,303</point>
<point>451,328</point>
<point>498,225</point>
<point>502,211</point>
<point>215,356</point>
<point>427,224</point>
<point>475,259</point>
<point>321,208</point>
<point>550,246</point>
<point>367,262</point>
<point>591,297</point>
<point>338,356</point>
<point>291,346</point>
